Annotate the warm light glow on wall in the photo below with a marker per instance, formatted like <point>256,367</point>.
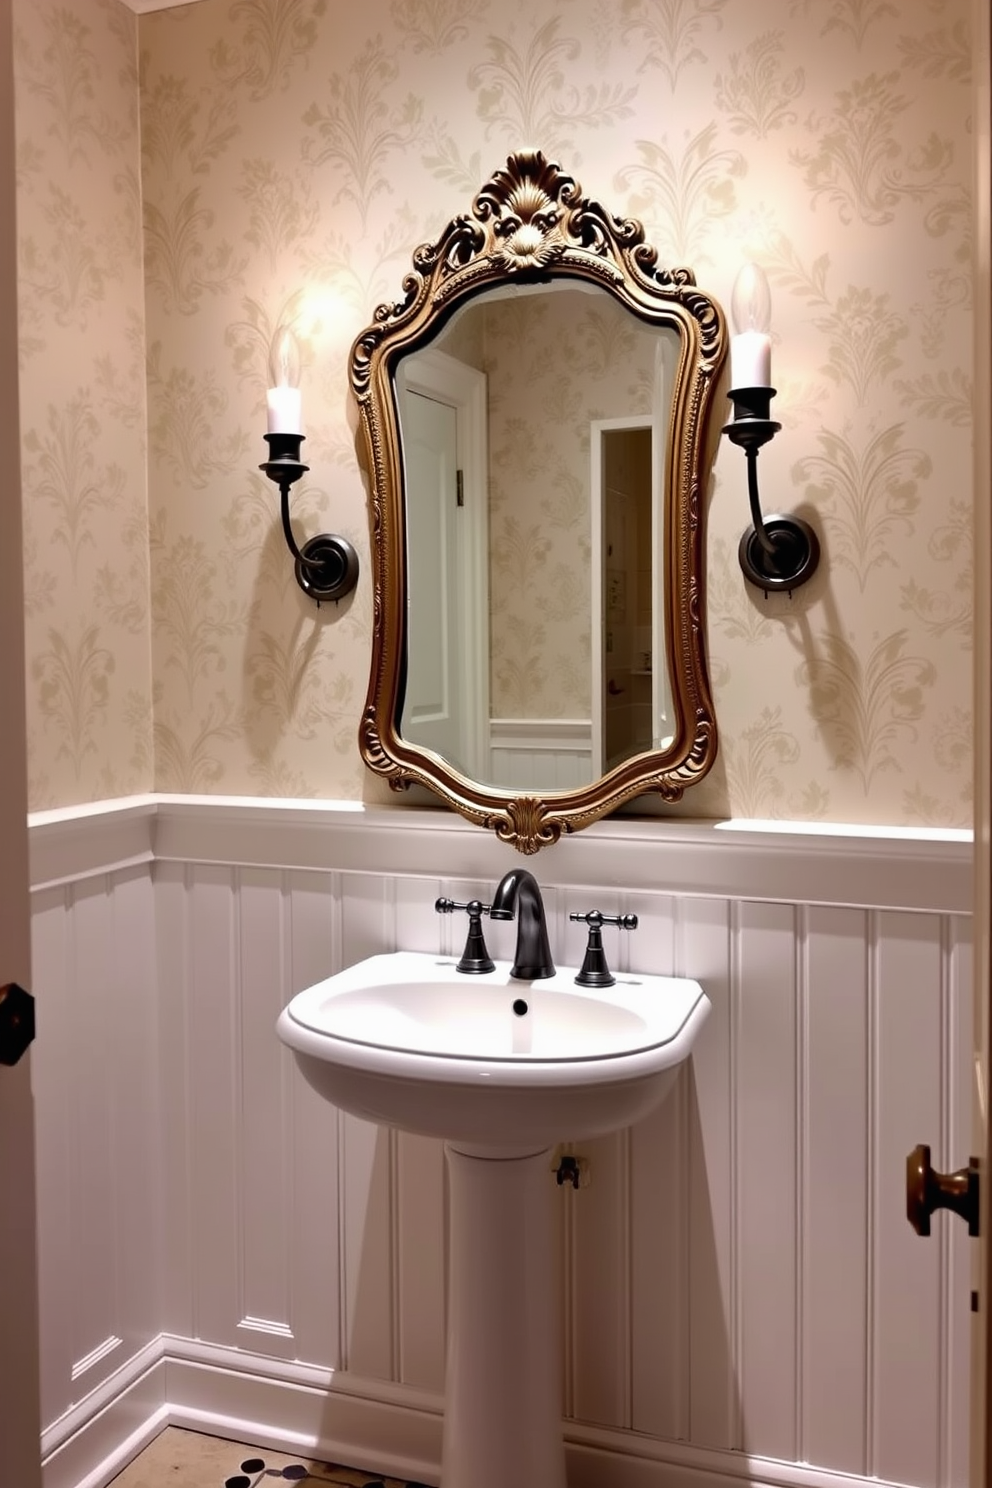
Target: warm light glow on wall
<point>326,319</point>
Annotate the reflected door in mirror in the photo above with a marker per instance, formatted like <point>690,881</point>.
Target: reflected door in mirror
<point>445,707</point>
<point>432,710</point>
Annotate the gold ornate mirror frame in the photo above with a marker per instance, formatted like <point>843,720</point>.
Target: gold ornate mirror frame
<point>531,223</point>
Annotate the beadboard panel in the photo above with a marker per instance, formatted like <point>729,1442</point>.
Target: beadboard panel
<point>904,1035</point>
<point>710,1345</point>
<point>768,1129</point>
<point>98,1130</point>
<point>254,1208</point>
<point>737,1275</point>
<point>833,1217</point>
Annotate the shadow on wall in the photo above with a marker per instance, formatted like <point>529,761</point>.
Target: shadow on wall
<point>712,1408</point>
<point>746,778</point>
<point>284,690</point>
<point>392,1266</point>
<point>645,1281</point>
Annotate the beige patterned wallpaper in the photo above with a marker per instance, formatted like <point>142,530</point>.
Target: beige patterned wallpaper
<point>82,402</point>
<point>293,153</point>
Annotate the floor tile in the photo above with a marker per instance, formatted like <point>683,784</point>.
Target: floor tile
<point>193,1460</point>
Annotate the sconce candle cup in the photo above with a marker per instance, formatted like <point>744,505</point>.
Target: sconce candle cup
<point>776,552</point>
<point>326,567</point>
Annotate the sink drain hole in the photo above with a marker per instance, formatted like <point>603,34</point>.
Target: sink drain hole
<point>520,1007</point>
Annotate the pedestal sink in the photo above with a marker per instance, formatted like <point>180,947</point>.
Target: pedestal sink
<point>503,1070</point>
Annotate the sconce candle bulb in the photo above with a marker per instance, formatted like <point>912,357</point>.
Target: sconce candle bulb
<point>326,566</point>
<point>283,399</point>
<point>779,552</point>
<point>751,315</point>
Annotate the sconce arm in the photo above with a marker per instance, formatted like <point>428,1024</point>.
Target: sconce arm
<point>753,496</point>
<point>287,526</point>
<point>326,566</point>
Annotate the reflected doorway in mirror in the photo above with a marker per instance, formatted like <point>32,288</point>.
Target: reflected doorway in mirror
<point>630,695</point>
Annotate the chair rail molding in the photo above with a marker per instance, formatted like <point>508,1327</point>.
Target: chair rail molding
<point>885,867</point>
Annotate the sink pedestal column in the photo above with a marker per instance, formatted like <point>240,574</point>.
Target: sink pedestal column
<point>502,1407</point>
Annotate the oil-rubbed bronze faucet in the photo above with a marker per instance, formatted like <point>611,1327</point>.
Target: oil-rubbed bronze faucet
<point>518,892</point>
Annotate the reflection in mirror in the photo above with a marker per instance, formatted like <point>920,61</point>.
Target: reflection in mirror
<point>533,433</point>
<point>534,411</point>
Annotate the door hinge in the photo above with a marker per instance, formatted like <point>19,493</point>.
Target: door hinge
<point>459,488</point>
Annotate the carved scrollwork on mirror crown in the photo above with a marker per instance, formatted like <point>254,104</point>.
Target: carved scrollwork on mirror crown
<point>530,225</point>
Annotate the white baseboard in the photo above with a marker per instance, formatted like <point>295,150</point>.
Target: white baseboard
<point>321,1413</point>
<point>332,1416</point>
<point>94,1441</point>
<point>597,1455</point>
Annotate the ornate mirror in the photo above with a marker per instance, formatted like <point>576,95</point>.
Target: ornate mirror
<point>534,412</point>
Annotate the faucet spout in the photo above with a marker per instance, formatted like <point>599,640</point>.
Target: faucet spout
<point>518,893</point>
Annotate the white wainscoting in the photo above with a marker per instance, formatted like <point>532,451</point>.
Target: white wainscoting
<point>99,1129</point>
<point>743,1298</point>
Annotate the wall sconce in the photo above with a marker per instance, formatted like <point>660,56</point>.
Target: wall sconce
<point>326,566</point>
<point>776,552</point>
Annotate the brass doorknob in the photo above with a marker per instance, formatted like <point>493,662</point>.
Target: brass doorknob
<point>927,1190</point>
<point>16,1022</point>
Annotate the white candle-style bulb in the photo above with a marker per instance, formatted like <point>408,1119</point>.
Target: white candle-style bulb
<point>283,399</point>
<point>751,315</point>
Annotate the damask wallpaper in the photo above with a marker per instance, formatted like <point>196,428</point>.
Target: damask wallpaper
<point>82,403</point>
<point>293,152</point>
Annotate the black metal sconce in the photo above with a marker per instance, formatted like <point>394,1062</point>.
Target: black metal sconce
<point>326,566</point>
<point>776,552</point>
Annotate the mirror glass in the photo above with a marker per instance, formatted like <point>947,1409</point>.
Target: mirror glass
<point>534,410</point>
<point>533,428</point>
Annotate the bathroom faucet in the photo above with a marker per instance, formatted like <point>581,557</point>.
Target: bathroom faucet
<point>518,892</point>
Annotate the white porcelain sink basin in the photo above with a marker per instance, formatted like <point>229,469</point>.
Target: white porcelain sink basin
<point>406,1040</point>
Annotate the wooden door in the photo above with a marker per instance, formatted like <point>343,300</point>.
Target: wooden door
<point>981,1383</point>
<point>20,1424</point>
<point>432,713</point>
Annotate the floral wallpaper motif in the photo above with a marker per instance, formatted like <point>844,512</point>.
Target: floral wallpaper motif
<point>293,153</point>
<point>82,403</point>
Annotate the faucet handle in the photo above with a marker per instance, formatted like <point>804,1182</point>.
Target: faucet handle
<point>475,957</point>
<point>595,972</point>
<point>595,918</point>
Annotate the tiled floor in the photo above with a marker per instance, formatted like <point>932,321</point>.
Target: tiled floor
<point>187,1459</point>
